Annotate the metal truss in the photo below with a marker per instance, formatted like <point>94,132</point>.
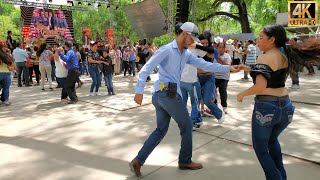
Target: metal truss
<point>170,19</point>
<point>194,10</point>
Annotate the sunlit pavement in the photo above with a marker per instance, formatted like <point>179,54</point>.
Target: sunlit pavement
<point>97,138</point>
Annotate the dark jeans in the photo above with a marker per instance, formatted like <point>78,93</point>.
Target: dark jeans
<point>140,66</point>
<point>30,73</point>
<point>236,61</point>
<point>61,82</point>
<point>109,84</point>
<point>310,69</point>
<point>126,67</point>
<point>132,67</point>
<point>222,84</point>
<point>37,72</point>
<point>165,109</point>
<point>295,78</point>
<point>269,119</point>
<point>84,67</point>
<point>22,66</point>
<point>137,66</point>
<point>70,82</point>
<point>53,71</point>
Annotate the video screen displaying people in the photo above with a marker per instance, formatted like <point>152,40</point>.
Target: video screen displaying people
<point>46,23</point>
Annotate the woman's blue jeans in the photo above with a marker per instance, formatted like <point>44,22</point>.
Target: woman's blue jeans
<point>194,91</point>
<point>166,108</point>
<point>96,78</point>
<point>208,87</point>
<point>269,119</point>
<point>5,81</point>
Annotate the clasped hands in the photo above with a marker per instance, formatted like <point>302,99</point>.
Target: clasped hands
<point>237,68</point>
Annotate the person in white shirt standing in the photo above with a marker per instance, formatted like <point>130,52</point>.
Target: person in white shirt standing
<point>61,75</point>
<point>237,54</point>
<point>190,84</point>
<point>222,78</point>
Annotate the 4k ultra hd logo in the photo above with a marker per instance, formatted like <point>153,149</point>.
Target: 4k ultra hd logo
<point>302,13</point>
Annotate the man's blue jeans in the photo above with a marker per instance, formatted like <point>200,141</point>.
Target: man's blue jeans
<point>109,84</point>
<point>269,119</point>
<point>5,81</point>
<point>53,71</point>
<point>207,88</point>
<point>165,109</point>
<point>96,78</point>
<point>61,81</point>
<point>192,89</point>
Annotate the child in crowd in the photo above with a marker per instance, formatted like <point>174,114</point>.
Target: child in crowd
<point>107,70</point>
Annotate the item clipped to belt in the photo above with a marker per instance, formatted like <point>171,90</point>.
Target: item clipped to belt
<point>172,90</point>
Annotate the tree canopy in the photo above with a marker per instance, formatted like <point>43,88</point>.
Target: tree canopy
<point>218,16</point>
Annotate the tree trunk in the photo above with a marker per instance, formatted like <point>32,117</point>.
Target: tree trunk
<point>243,14</point>
<point>182,11</point>
<point>242,18</point>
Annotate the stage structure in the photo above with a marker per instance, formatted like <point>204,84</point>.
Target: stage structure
<point>65,4</point>
<point>147,18</point>
<point>50,21</point>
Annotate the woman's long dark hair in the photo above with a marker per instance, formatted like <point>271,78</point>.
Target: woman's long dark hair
<point>4,57</point>
<point>42,48</point>
<point>206,35</point>
<point>298,55</point>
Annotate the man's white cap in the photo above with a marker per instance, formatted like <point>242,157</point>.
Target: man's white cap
<point>191,29</point>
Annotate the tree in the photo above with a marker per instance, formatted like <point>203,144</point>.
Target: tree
<point>241,17</point>
<point>9,20</point>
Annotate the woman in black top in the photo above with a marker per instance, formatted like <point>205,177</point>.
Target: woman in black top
<point>273,110</point>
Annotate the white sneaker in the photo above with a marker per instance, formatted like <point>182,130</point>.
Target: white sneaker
<point>225,110</point>
<point>97,94</point>
<point>92,94</point>
<point>221,120</point>
<point>295,86</point>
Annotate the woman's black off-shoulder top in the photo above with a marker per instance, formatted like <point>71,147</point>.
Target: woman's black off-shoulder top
<point>275,79</point>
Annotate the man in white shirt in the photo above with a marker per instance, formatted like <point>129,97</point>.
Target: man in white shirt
<point>20,57</point>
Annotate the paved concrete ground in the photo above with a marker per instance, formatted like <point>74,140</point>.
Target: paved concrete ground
<point>95,139</point>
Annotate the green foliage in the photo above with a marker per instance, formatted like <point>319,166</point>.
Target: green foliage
<point>9,20</point>
<point>260,13</point>
<point>99,19</point>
